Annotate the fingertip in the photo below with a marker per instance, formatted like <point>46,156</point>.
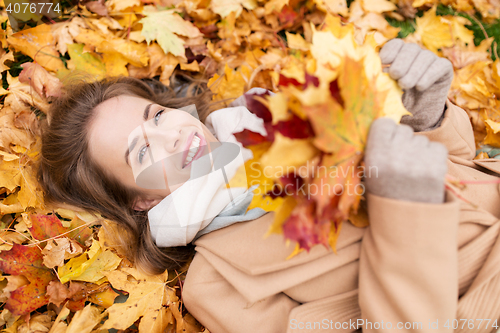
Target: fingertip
<point>440,69</point>
<point>381,129</point>
<point>390,50</point>
<point>406,82</point>
<point>384,122</point>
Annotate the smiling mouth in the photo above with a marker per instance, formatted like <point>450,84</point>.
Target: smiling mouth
<point>195,150</point>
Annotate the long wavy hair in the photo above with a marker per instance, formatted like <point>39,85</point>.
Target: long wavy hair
<point>68,175</point>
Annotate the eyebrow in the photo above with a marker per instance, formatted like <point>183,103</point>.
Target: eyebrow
<point>132,145</point>
<point>146,111</point>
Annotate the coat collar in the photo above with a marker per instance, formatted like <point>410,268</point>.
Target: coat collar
<point>236,245</point>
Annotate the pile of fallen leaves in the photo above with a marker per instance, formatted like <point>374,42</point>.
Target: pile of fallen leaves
<point>60,270</point>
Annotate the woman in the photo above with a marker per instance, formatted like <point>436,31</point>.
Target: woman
<point>426,258</point>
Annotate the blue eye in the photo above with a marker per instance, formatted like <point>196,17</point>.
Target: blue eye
<point>142,152</point>
<point>157,116</point>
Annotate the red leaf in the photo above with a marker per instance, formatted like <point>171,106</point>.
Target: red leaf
<point>27,261</point>
<point>311,79</point>
<point>335,92</point>
<point>247,138</point>
<point>76,305</point>
<point>295,128</point>
<point>287,16</point>
<point>256,107</point>
<point>291,183</point>
<point>46,226</point>
<point>304,228</point>
<point>286,81</point>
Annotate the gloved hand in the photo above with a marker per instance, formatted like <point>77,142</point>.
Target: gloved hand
<point>425,79</point>
<point>404,166</point>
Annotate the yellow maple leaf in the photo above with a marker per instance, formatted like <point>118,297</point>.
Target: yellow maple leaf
<point>164,26</point>
<point>130,51</point>
<point>434,32</point>
<point>437,32</point>
<point>115,63</point>
<point>85,320</point>
<point>282,212</point>
<point>149,298</point>
<point>225,7</point>
<point>10,205</point>
<point>39,44</point>
<point>90,266</point>
<point>285,154</point>
<point>84,62</point>
<point>230,84</point>
<point>30,194</point>
<point>11,175</point>
<point>492,133</point>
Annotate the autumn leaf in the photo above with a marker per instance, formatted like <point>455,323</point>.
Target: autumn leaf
<point>26,261</point>
<point>84,61</point>
<point>225,7</point>
<point>163,26</point>
<point>441,31</point>
<point>39,44</point>
<point>148,299</point>
<point>91,266</point>
<point>42,81</point>
<point>57,292</point>
<point>44,227</point>
<point>228,85</point>
<point>104,298</point>
<point>86,319</point>
<point>64,248</point>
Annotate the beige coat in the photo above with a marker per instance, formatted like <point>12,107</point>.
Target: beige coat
<point>417,262</point>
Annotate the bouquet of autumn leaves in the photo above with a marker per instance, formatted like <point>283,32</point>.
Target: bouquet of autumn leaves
<point>309,166</point>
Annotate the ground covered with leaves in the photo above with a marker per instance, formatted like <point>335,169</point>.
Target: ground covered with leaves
<point>60,270</point>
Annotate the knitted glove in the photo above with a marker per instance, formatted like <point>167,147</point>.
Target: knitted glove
<point>425,79</point>
<point>404,166</point>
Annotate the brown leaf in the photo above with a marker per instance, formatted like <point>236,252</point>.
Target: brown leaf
<point>10,134</point>
<point>57,292</point>
<point>38,78</point>
<point>97,7</point>
<point>64,248</point>
<point>27,120</point>
<point>14,282</point>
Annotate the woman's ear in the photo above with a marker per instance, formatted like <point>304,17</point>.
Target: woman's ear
<point>145,204</point>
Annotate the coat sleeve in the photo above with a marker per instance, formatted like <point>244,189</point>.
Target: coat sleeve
<point>409,265</point>
<point>216,304</point>
<point>455,133</point>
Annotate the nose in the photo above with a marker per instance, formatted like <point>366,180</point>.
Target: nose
<point>166,139</point>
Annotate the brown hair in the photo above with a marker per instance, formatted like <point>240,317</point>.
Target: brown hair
<point>68,175</point>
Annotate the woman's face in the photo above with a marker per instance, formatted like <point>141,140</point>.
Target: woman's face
<point>146,146</point>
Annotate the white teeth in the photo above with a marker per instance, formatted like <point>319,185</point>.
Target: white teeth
<point>195,143</point>
<point>193,149</point>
